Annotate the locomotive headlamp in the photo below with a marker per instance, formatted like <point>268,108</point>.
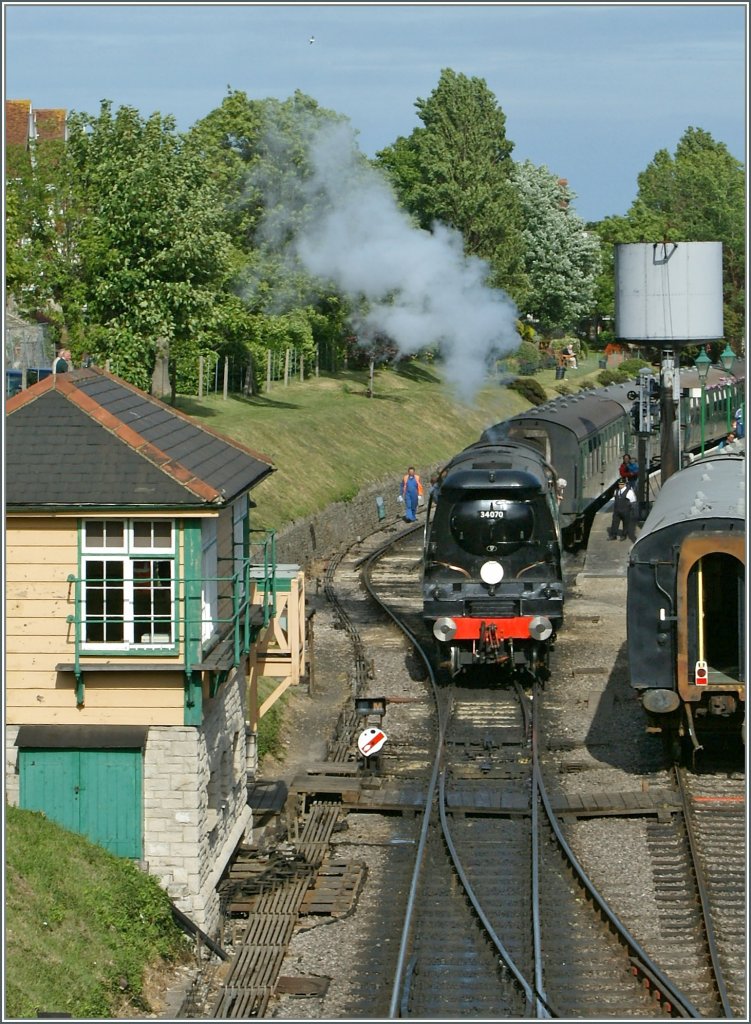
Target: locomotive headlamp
<point>491,573</point>
<point>540,627</point>
<point>444,629</point>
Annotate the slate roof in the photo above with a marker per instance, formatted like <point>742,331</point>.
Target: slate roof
<point>88,438</point>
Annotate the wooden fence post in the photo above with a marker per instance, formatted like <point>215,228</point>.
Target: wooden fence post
<point>302,367</point>
<point>286,367</point>
<point>226,377</point>
<point>200,376</point>
<point>268,370</point>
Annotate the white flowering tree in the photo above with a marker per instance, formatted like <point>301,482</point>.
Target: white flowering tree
<point>562,258</point>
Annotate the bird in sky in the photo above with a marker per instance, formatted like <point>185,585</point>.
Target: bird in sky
<point>312,40</point>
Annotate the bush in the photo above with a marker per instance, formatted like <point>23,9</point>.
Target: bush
<point>528,356</point>
<point>606,377</point>
<point>530,389</point>
<point>631,367</point>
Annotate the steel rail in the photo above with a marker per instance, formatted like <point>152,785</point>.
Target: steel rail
<point>530,727</point>
<point>639,956</point>
<point>701,886</point>
<point>438,776</point>
<point>368,561</point>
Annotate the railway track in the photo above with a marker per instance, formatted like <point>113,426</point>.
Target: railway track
<point>498,922</point>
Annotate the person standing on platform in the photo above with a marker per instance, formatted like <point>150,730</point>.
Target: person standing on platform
<point>624,511</point>
<point>629,470</point>
<point>410,494</point>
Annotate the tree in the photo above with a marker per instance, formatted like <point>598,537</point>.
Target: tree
<point>562,258</point>
<point>697,195</point>
<point>151,251</point>
<point>40,205</point>
<point>457,169</point>
<point>258,150</point>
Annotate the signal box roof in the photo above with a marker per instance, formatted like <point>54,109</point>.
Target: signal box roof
<point>86,438</point>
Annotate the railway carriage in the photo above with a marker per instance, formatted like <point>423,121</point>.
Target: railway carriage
<point>686,610</point>
<point>584,436</point>
<point>508,504</point>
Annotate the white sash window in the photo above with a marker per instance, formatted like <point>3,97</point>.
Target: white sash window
<point>128,570</point>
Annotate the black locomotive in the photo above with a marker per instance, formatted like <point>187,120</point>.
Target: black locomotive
<point>686,611</point>
<point>492,582</point>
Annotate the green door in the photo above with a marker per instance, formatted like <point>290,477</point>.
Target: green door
<point>94,792</point>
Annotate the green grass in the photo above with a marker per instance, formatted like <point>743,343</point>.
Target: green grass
<point>80,923</point>
<point>327,439</point>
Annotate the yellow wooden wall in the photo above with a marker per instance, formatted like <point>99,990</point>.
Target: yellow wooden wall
<point>41,552</point>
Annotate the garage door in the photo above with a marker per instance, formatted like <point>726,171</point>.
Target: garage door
<point>94,792</point>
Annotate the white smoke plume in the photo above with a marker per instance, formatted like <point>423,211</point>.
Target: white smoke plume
<point>415,287</point>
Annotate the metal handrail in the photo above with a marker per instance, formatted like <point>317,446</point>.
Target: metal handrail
<point>238,623</point>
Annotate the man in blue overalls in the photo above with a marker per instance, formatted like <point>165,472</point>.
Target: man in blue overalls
<point>410,494</point>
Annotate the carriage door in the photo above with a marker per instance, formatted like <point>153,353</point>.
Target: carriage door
<point>715,617</point>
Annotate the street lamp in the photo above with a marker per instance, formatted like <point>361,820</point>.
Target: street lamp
<point>727,358</point>
<point>702,364</point>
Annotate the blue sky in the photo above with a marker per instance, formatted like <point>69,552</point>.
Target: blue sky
<point>591,91</point>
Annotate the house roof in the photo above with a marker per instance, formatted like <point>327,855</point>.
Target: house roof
<point>88,438</point>
<point>17,122</point>
<point>49,123</point>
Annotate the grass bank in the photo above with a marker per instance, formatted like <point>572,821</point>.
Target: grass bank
<point>81,925</point>
<point>328,439</point>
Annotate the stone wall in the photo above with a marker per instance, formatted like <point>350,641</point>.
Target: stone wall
<point>338,527</point>
<point>12,778</point>
<point>195,802</point>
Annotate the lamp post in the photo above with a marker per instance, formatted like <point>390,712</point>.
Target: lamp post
<point>702,364</point>
<point>727,358</point>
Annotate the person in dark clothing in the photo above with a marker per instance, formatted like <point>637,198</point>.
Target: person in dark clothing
<point>62,362</point>
<point>624,512</point>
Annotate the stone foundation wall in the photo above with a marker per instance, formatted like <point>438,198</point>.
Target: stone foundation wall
<point>339,526</point>
<point>195,802</point>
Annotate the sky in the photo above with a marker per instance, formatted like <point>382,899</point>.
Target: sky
<point>590,91</point>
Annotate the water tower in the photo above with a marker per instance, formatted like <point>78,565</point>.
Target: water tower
<point>669,294</point>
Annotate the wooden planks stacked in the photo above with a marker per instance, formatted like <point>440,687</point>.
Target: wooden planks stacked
<point>336,888</point>
<point>272,918</point>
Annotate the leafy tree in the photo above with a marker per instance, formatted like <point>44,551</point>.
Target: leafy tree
<point>457,169</point>
<point>152,249</point>
<point>697,195</point>
<point>562,258</point>
<point>40,207</point>
<point>258,150</point>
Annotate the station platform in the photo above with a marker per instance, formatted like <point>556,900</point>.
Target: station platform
<point>605,558</point>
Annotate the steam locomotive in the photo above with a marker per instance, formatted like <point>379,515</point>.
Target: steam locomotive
<point>492,583</point>
<point>686,603</point>
<point>509,504</point>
